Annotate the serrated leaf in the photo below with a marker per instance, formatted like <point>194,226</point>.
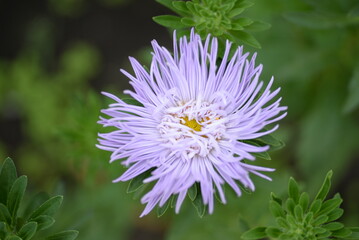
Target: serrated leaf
<point>27,231</point>
<point>324,189</point>
<point>5,214</point>
<point>192,192</point>
<point>8,176</point>
<point>304,201</point>
<point>163,209</point>
<point>342,233</point>
<point>47,208</point>
<point>255,233</point>
<point>293,190</point>
<point>15,196</point>
<point>330,205</point>
<point>137,182</point>
<point>273,232</point>
<point>257,26</point>
<point>44,222</point>
<point>199,205</point>
<point>333,226</point>
<point>276,209</point>
<point>169,21</point>
<point>65,235</point>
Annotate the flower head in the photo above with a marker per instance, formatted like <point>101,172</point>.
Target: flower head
<point>193,122</point>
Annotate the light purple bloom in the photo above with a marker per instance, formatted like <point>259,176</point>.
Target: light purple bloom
<point>194,119</point>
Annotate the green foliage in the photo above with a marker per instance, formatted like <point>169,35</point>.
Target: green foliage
<point>17,226</point>
<point>295,221</point>
<point>220,18</point>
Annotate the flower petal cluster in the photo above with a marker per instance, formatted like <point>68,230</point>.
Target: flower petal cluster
<point>194,123</point>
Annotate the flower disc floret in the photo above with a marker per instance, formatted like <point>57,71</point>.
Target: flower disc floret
<point>194,123</point>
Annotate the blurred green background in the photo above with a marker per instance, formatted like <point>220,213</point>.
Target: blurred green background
<point>56,57</point>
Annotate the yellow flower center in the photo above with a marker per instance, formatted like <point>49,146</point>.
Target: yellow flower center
<point>192,124</point>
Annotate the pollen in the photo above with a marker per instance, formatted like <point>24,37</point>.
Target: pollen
<point>192,124</point>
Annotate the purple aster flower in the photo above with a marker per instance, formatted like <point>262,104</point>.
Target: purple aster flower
<point>193,123</point>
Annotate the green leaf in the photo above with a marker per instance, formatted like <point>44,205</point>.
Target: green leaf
<point>273,232</point>
<point>257,26</point>
<point>35,202</point>
<point>47,208</point>
<point>181,7</point>
<point>320,220</point>
<point>282,222</point>
<point>273,142</point>
<point>245,38</point>
<point>323,192</point>
<point>235,12</point>
<point>352,101</point>
<point>163,209</point>
<point>275,198</point>
<point>137,182</point>
<point>15,196</point>
<point>8,176</point>
<point>262,155</point>
<point>13,238</point>
<point>187,21</point>
<point>330,205</point>
<point>342,233</point>
<point>192,192</point>
<point>44,222</point>
<point>335,214</point>
<point>169,21</point>
<point>354,234</point>
<point>65,235</point>
<point>243,4</point>
<point>168,4</point>
<point>333,226</point>
<point>298,212</point>
<point>28,230</point>
<point>5,214</point>
<point>2,230</point>
<point>255,233</point>
<point>315,206</point>
<point>199,205</point>
<point>241,22</point>
<point>293,190</point>
<point>276,209</point>
<point>304,201</point>
<point>290,204</point>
